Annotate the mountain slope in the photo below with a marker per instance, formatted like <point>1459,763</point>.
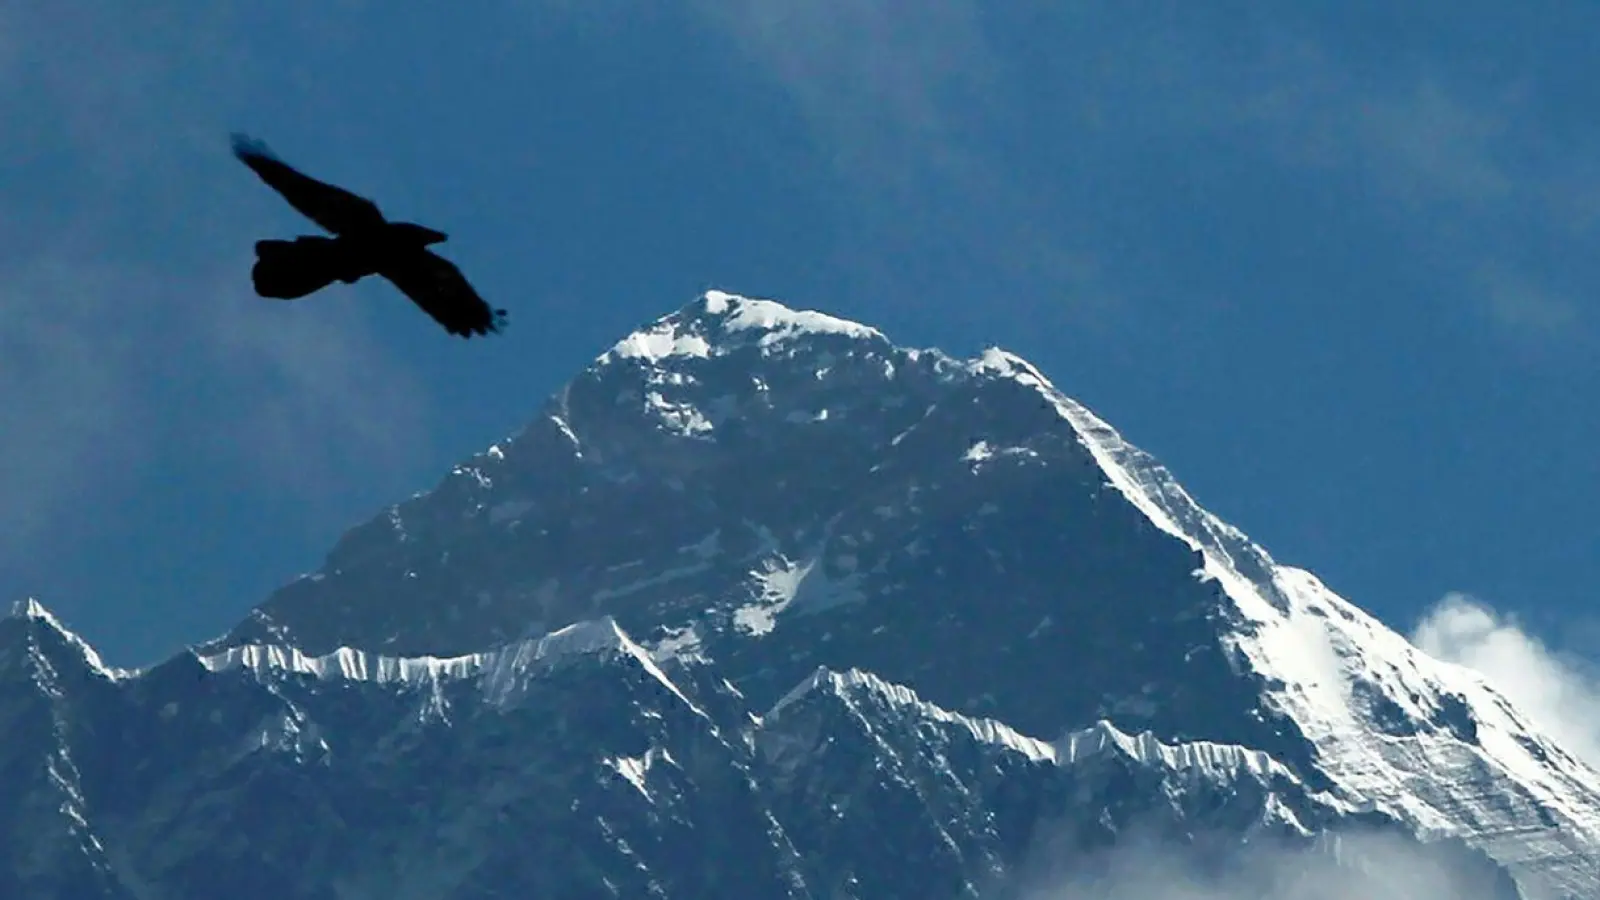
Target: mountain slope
<point>761,602</point>
<point>566,765</point>
<point>574,764</point>
<point>50,683</point>
<point>782,490</point>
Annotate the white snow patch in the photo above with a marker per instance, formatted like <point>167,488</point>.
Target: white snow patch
<point>680,643</point>
<point>682,335</point>
<point>660,342</point>
<point>803,585</point>
<point>682,418</point>
<point>563,426</point>
<point>398,525</point>
<point>1043,626</point>
<point>983,451</point>
<point>778,321</point>
<point>473,472</point>
<point>635,769</point>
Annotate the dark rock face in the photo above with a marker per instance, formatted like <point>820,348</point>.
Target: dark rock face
<point>763,605</point>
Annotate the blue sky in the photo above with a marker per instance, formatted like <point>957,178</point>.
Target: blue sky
<point>1333,263</point>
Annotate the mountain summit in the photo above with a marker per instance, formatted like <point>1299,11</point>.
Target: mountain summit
<point>760,587</point>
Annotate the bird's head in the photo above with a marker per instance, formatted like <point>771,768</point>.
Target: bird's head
<point>421,235</point>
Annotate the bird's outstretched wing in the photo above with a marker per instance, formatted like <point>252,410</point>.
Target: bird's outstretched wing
<point>435,284</point>
<point>334,208</point>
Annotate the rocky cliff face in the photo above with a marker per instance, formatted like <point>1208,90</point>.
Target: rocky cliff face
<point>765,605</point>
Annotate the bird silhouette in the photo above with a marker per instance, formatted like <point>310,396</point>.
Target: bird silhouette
<point>363,243</point>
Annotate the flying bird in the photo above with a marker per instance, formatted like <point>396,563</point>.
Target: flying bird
<point>363,243</point>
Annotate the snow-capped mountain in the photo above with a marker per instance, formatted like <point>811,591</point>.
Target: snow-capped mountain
<point>763,605</point>
<point>575,764</point>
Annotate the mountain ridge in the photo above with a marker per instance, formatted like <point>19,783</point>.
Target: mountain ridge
<point>721,412</point>
<point>911,563</point>
<point>289,737</point>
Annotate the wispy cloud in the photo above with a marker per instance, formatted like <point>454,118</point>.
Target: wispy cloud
<point>104,365</point>
<point>66,403</point>
<point>1404,133</point>
<point>1558,692</point>
<point>309,396</point>
<point>128,332</point>
<point>1366,864</point>
<point>890,93</point>
<point>907,109</point>
<point>1422,139</point>
<point>1473,173</point>
<point>1527,308</point>
<point>928,107</point>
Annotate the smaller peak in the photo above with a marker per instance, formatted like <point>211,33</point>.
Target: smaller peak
<point>590,636</point>
<point>857,683</point>
<point>1002,362</point>
<point>826,681</point>
<point>821,678</point>
<point>31,610</point>
<point>507,671</point>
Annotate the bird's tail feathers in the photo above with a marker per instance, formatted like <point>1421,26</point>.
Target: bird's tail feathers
<point>289,270</point>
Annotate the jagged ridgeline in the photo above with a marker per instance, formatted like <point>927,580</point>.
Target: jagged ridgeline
<point>764,605</point>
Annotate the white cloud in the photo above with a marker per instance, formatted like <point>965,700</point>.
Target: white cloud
<point>1528,308</point>
<point>891,92</point>
<point>921,112</point>
<point>66,405</point>
<point>1407,133</point>
<point>104,365</point>
<point>1476,176</point>
<point>1455,159</point>
<point>1367,864</point>
<point>128,330</point>
<point>1559,693</point>
<point>309,392</point>
<point>907,109</point>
